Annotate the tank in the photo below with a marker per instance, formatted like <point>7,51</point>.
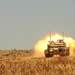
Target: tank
<point>56,48</point>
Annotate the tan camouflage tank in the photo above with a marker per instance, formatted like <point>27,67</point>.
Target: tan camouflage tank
<point>57,48</point>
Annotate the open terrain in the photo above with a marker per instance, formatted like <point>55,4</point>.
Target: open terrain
<point>22,62</point>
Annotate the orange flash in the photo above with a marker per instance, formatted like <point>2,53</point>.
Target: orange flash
<point>41,45</point>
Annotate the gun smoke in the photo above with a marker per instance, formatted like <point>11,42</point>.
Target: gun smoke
<point>41,45</point>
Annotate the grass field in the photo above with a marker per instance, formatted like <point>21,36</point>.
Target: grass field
<point>23,63</point>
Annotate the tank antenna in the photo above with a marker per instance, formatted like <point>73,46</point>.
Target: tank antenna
<point>63,35</point>
<point>50,35</point>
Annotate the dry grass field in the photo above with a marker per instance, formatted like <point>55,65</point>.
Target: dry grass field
<point>22,62</point>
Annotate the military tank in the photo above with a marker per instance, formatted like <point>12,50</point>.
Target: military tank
<point>56,48</point>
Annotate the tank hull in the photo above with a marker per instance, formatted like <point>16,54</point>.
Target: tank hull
<point>60,51</point>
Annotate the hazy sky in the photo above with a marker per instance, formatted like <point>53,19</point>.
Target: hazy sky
<point>24,22</point>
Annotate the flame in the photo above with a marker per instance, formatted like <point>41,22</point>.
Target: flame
<point>41,45</point>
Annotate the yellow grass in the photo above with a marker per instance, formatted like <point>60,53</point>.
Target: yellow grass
<point>38,66</point>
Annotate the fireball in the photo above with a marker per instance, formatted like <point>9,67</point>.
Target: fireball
<point>41,45</point>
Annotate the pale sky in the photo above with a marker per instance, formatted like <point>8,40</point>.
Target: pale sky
<point>24,22</point>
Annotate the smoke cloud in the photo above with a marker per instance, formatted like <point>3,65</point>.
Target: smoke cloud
<point>41,45</point>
